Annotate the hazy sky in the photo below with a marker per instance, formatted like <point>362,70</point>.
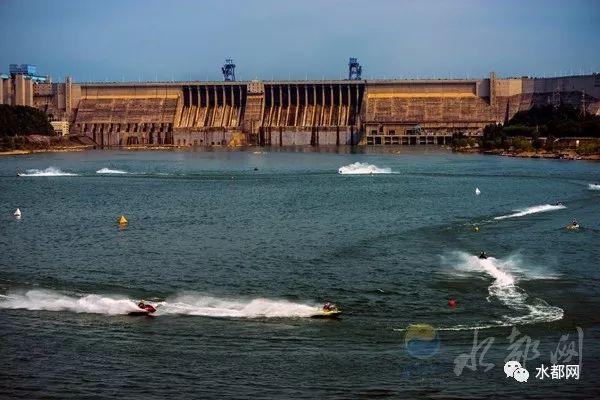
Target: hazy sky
<point>181,39</point>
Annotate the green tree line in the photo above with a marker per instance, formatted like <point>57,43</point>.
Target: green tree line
<point>23,120</point>
<point>545,121</point>
<point>525,130</point>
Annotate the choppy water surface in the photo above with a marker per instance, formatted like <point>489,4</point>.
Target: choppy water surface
<point>238,249</point>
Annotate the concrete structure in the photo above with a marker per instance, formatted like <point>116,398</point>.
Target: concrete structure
<point>309,113</point>
<point>215,113</point>
<point>286,113</point>
<point>16,90</point>
<point>17,87</point>
<point>430,111</point>
<point>27,70</point>
<point>58,100</point>
<point>61,128</point>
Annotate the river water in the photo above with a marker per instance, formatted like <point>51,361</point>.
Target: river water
<point>239,249</point>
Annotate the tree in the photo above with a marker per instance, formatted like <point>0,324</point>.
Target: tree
<point>23,120</point>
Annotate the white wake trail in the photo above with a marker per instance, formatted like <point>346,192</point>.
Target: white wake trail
<point>593,186</point>
<point>504,289</point>
<point>194,304</point>
<point>50,300</point>
<point>359,168</point>
<point>532,210</point>
<point>50,171</point>
<point>184,304</point>
<point>110,171</point>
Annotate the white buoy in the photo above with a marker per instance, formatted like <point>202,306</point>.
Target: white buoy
<point>17,213</point>
<point>477,191</point>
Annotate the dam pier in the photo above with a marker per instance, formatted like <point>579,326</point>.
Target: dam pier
<point>350,111</point>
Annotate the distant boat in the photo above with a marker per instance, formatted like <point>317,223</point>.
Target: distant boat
<point>477,191</point>
<point>17,213</point>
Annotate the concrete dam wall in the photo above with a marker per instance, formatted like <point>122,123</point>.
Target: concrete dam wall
<point>303,113</point>
<point>209,114</point>
<point>288,113</point>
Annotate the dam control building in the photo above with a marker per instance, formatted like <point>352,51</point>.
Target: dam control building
<point>354,111</point>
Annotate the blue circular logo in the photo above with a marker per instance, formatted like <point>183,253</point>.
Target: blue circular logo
<point>421,341</point>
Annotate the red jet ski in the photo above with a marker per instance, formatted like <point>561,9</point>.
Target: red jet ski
<point>144,310</point>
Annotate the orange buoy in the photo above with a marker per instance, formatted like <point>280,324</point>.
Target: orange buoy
<point>122,220</point>
<point>452,303</point>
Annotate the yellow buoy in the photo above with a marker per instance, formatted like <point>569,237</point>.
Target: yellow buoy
<point>122,220</point>
<point>476,229</point>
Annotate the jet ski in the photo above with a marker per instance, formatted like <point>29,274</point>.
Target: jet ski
<point>329,310</point>
<point>572,227</point>
<point>144,310</point>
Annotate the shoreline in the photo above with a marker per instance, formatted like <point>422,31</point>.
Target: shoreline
<point>565,155</point>
<point>569,154</point>
<point>68,149</point>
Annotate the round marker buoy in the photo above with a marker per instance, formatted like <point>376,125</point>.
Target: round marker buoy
<point>17,213</point>
<point>476,229</point>
<point>452,303</point>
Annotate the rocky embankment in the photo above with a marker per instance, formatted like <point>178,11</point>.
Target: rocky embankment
<point>564,154</point>
<point>29,144</point>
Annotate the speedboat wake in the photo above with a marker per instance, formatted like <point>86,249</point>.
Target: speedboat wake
<point>184,304</point>
<point>504,289</point>
<point>50,171</point>
<point>359,168</point>
<point>532,210</point>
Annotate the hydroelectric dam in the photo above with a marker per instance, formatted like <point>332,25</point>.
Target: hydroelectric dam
<point>293,113</point>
